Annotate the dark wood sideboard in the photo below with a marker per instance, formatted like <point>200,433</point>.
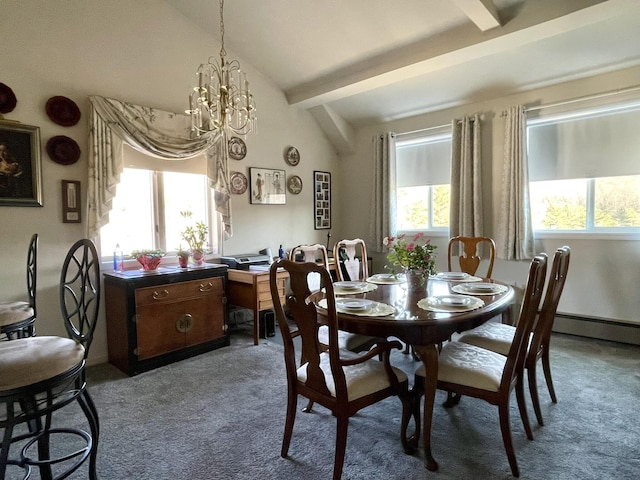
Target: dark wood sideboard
<point>159,317</point>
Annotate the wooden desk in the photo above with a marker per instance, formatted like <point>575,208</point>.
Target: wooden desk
<point>250,289</point>
<point>422,329</point>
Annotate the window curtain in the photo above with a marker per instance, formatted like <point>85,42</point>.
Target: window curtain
<point>516,239</point>
<point>154,132</point>
<point>465,216</point>
<point>383,202</point>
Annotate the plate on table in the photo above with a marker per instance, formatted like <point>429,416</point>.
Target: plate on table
<point>450,303</point>
<point>353,304</point>
<point>386,278</point>
<point>480,288</point>
<point>350,285</point>
<point>452,276</point>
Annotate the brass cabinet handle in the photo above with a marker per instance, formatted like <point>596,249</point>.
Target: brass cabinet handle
<point>206,288</point>
<point>160,295</point>
<point>184,323</point>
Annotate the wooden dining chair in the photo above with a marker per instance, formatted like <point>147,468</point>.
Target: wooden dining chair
<point>40,375</point>
<point>317,253</point>
<point>468,370</point>
<point>17,318</point>
<point>351,260</point>
<point>340,380</point>
<point>470,253</point>
<point>498,337</point>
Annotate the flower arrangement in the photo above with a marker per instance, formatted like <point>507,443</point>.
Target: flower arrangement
<point>416,253</point>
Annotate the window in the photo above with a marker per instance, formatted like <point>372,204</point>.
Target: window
<point>146,209</point>
<point>423,181</point>
<point>584,170</point>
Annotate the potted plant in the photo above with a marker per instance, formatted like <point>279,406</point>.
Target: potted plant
<point>416,256</point>
<point>149,259</point>
<point>183,257</point>
<point>196,236</point>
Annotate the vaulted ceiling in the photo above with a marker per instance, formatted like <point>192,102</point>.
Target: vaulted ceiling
<point>360,62</point>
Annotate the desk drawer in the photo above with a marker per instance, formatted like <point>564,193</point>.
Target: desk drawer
<point>176,292</point>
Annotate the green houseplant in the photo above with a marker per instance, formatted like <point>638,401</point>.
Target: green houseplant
<point>196,236</point>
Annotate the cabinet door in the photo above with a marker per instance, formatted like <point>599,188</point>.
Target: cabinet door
<point>206,312</point>
<point>156,327</point>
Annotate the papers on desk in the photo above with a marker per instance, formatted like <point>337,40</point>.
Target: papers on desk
<point>260,268</point>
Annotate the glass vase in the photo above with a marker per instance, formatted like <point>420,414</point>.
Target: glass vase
<point>198,257</point>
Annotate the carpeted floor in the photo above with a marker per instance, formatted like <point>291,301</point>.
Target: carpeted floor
<point>220,416</point>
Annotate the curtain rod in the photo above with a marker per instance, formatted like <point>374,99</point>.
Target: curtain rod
<point>582,99</point>
<point>421,130</point>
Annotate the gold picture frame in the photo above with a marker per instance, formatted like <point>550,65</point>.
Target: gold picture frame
<point>20,165</point>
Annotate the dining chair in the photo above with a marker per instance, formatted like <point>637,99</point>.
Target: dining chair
<point>317,253</point>
<point>41,374</point>
<point>470,253</point>
<point>351,260</point>
<point>17,318</point>
<point>498,337</point>
<point>340,380</point>
<point>468,370</point>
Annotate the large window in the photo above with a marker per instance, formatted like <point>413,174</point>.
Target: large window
<point>147,208</point>
<point>423,178</point>
<point>584,170</point>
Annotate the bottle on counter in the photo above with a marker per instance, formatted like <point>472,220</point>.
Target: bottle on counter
<point>281,252</point>
<point>118,259</point>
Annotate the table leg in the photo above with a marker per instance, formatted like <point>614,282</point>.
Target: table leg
<point>256,326</point>
<point>429,356</point>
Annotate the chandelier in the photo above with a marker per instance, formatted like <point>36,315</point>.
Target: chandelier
<point>222,101</point>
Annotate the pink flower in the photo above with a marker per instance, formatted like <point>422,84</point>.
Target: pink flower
<point>411,247</point>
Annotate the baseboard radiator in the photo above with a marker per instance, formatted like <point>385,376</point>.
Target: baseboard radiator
<point>601,328</point>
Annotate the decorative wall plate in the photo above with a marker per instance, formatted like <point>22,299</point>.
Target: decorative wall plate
<point>7,99</point>
<point>294,184</point>
<point>237,148</point>
<point>63,111</point>
<point>63,150</point>
<point>238,183</point>
<point>292,156</point>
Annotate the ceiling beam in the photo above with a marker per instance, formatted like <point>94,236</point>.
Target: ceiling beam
<point>537,20</point>
<point>481,12</point>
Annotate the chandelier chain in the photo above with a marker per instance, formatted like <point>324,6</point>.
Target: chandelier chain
<point>223,52</point>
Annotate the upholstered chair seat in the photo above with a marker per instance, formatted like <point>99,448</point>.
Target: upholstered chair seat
<point>348,341</point>
<point>14,312</point>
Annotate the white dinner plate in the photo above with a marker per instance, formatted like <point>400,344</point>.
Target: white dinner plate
<point>353,304</point>
<point>350,285</point>
<point>482,287</point>
<point>452,275</point>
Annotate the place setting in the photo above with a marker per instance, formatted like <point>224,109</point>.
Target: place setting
<point>455,277</point>
<point>387,279</point>
<point>360,306</point>
<point>352,288</point>
<point>450,303</point>
<point>479,288</point>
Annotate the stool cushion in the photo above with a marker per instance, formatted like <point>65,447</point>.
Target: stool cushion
<point>14,312</point>
<point>362,379</point>
<point>469,365</point>
<point>27,361</point>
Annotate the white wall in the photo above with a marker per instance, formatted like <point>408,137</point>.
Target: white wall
<point>143,52</point>
<point>604,274</point>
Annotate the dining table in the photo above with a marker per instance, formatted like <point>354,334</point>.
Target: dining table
<point>448,303</point>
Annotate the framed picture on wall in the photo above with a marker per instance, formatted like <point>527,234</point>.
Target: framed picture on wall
<point>20,165</point>
<point>322,200</point>
<point>268,187</point>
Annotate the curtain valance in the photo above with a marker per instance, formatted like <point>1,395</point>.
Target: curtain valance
<point>154,132</point>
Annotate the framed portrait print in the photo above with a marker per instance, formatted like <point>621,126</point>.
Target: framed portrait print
<point>71,201</point>
<point>322,200</point>
<point>20,165</point>
<point>268,186</point>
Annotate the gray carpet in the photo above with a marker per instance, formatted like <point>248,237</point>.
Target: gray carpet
<point>220,416</point>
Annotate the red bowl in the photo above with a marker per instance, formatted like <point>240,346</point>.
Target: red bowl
<point>149,263</point>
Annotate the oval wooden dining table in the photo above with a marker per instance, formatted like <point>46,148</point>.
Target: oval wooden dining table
<point>422,329</point>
